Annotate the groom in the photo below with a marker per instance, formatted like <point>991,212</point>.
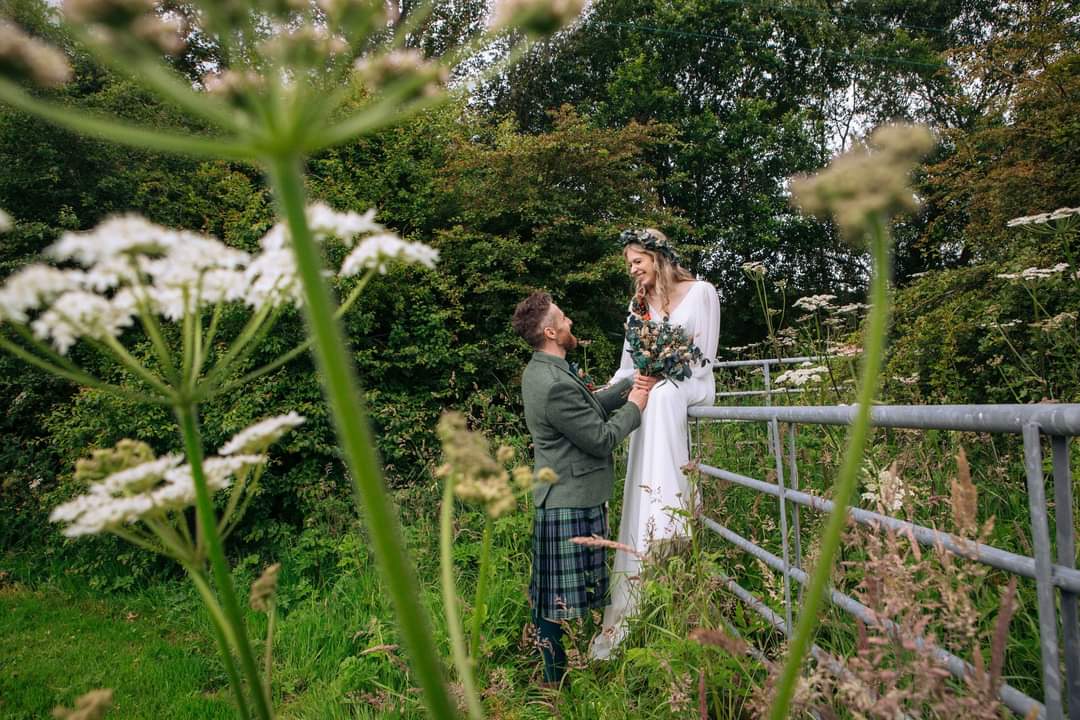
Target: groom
<point>574,432</point>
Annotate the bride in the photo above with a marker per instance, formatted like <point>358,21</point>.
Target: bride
<point>656,494</point>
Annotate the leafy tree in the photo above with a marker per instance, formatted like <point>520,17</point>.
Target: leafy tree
<point>1016,162</point>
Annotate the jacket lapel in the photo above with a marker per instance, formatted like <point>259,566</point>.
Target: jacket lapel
<point>562,365</point>
<point>586,390</point>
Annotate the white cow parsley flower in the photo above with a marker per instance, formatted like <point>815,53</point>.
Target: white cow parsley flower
<point>324,220</point>
<point>140,477</point>
<point>31,286</point>
<point>117,236</point>
<point>261,435</point>
<point>79,314</point>
<point>801,376</point>
<point>1034,273</point>
<point>1043,218</point>
<point>377,250</point>
<point>272,279</point>
<point>146,490</point>
<point>814,302</point>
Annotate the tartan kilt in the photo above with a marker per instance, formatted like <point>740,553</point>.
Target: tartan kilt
<point>568,579</point>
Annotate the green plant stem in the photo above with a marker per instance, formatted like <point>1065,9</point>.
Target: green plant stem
<point>221,367</point>
<point>256,340</point>
<point>217,622</point>
<point>107,128</point>
<point>182,528</point>
<point>450,604</point>
<point>247,487</point>
<point>148,319</point>
<point>170,539</point>
<point>188,333</point>
<point>302,347</point>
<point>480,600</point>
<point>139,540</point>
<point>189,428</point>
<point>873,358</point>
<point>76,375</point>
<point>205,345</point>
<point>127,360</point>
<point>268,650</point>
<point>343,394</point>
<point>1034,375</point>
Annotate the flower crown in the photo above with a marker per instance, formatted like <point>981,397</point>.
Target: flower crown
<point>649,241</point>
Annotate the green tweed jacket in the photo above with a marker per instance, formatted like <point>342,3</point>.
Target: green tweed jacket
<point>574,431</point>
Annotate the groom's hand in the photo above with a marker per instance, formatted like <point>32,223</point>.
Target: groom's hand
<point>640,397</point>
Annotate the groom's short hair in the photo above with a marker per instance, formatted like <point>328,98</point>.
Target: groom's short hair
<point>529,317</point>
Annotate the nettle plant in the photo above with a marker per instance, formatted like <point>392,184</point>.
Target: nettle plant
<point>289,78</point>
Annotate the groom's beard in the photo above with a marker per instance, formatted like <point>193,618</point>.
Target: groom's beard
<point>570,342</point>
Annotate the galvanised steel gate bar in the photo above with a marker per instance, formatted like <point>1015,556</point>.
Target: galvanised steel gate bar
<point>1013,698</point>
<point>1052,576</point>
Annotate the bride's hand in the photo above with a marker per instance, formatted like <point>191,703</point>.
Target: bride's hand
<point>644,382</point>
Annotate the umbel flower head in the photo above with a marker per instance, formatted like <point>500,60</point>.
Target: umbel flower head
<point>106,461</point>
<point>22,56</point>
<point>867,181</point>
<point>261,435</point>
<point>478,477</point>
<point>128,266</point>
<point>1062,213</point>
<point>127,483</point>
<point>116,21</point>
<point>150,490</point>
<point>535,17</point>
<point>264,589</point>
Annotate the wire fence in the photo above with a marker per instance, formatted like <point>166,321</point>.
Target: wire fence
<point>1052,565</point>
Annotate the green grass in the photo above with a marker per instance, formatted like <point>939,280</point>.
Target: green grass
<point>57,647</point>
<point>330,654</point>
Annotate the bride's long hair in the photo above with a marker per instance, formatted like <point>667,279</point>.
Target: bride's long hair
<point>668,273</point>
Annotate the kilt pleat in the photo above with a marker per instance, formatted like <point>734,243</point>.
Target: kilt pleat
<point>568,579</point>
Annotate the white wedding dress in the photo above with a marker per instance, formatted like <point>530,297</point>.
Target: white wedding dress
<point>659,448</point>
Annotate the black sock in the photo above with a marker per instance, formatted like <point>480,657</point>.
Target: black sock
<point>551,648</point>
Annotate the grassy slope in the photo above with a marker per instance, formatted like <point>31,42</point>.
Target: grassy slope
<point>56,648</point>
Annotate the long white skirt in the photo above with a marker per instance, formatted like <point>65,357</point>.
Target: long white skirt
<point>656,499</point>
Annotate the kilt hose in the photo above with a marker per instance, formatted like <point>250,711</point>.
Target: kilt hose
<point>568,580</point>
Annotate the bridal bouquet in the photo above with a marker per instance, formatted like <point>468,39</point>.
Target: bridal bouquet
<point>661,349</point>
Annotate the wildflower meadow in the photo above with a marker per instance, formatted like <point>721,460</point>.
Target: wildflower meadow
<point>264,452</point>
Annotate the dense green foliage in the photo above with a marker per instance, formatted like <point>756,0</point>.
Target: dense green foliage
<point>508,212</point>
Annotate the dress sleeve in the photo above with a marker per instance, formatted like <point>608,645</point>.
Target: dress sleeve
<point>707,327</point>
<point>626,364</point>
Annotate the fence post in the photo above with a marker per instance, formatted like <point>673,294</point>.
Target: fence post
<point>1066,557</point>
<point>793,474</point>
<point>778,455</point>
<point>1040,532</point>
